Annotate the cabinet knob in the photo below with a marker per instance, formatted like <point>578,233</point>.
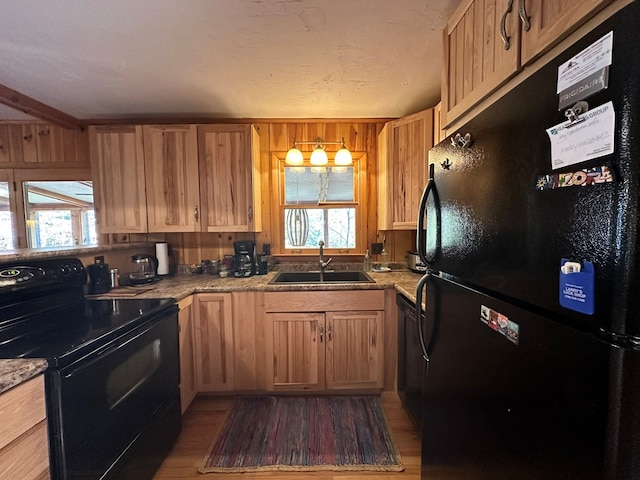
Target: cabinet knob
<point>196,213</point>
<point>329,332</point>
<point>321,333</point>
<point>250,213</point>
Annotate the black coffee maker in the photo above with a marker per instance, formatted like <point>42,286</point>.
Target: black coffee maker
<point>244,260</point>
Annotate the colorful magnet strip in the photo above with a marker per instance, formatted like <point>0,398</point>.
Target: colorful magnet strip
<point>581,178</point>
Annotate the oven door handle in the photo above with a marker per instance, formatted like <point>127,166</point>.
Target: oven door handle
<point>113,346</point>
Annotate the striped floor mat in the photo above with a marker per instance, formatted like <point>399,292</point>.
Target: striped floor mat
<point>304,434</point>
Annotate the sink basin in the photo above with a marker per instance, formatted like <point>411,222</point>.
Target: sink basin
<point>329,277</point>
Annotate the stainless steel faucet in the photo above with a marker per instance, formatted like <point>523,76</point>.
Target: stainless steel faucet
<point>321,263</point>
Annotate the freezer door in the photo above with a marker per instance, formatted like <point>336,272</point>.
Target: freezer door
<point>500,233</point>
<point>509,395</point>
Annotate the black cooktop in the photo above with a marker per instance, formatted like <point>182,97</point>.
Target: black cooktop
<point>65,334</point>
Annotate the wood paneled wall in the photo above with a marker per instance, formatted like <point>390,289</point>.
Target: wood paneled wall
<point>277,136</point>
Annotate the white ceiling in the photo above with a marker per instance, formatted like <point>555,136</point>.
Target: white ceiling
<point>96,59</point>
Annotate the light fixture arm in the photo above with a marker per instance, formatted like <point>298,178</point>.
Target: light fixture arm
<point>318,142</point>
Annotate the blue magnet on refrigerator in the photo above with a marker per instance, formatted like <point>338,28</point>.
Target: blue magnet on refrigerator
<point>576,286</point>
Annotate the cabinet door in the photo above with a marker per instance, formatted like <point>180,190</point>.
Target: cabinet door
<point>476,61</point>
<point>214,342</point>
<point>117,167</point>
<point>248,341</point>
<point>295,351</point>
<point>43,144</point>
<point>171,166</point>
<point>229,178</point>
<point>355,350</point>
<point>188,384</point>
<point>551,21</point>
<point>403,169</point>
<point>439,133</point>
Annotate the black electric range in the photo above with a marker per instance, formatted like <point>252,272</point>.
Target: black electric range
<point>113,375</point>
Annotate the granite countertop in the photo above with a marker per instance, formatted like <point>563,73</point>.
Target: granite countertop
<point>13,372</point>
<point>179,287</point>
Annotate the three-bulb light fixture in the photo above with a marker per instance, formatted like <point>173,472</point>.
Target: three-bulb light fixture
<point>319,158</point>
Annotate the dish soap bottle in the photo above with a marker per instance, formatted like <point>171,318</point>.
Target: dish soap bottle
<point>367,262</point>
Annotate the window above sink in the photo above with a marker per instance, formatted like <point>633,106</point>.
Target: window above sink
<point>319,203</point>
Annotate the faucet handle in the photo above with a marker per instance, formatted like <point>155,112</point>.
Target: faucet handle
<point>321,243</point>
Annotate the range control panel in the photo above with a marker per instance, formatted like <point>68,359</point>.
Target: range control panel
<point>36,273</point>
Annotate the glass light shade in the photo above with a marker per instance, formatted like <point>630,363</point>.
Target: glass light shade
<point>319,157</point>
<point>343,157</point>
<point>318,169</point>
<point>297,169</point>
<point>339,169</point>
<point>294,157</point>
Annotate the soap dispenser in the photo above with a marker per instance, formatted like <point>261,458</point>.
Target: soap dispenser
<point>367,262</point>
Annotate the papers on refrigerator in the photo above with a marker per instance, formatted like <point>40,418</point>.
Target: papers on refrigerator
<point>588,62</point>
<point>591,138</point>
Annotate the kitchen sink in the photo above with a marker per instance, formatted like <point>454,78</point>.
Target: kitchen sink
<point>329,277</point>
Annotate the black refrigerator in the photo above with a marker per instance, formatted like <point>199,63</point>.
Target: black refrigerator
<point>531,330</point>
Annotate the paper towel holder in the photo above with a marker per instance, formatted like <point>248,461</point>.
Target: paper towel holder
<point>162,254</point>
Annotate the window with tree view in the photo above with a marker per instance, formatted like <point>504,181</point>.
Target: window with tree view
<point>320,203</point>
<point>59,214</point>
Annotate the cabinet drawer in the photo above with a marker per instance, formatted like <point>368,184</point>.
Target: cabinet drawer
<point>27,458</point>
<point>323,301</point>
<point>21,408</point>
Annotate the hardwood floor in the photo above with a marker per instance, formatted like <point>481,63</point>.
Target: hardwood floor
<point>205,417</point>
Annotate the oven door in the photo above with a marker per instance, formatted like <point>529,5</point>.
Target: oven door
<point>103,403</point>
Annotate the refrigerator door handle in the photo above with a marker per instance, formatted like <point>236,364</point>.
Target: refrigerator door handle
<point>421,234</point>
<point>421,285</point>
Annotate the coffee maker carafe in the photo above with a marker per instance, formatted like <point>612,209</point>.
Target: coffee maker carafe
<point>244,260</point>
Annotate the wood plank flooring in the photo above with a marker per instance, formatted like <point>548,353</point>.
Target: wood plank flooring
<point>205,416</point>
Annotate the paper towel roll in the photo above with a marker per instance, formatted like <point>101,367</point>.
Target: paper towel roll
<point>162,254</point>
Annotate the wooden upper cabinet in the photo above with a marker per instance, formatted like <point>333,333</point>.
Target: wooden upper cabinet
<point>171,171</point>
<point>485,44</point>
<point>118,179</point>
<point>552,20</point>
<point>403,149</point>
<point>476,61</point>
<point>42,145</point>
<point>229,178</point>
<point>439,133</point>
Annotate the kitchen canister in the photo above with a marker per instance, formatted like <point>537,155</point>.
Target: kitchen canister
<point>162,254</point>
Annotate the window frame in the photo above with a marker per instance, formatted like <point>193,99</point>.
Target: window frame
<point>37,175</point>
<point>278,207</point>
<point>7,176</point>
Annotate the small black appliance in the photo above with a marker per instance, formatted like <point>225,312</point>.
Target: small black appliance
<point>99,278</point>
<point>244,260</point>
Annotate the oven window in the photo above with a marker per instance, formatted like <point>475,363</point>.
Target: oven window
<point>125,379</point>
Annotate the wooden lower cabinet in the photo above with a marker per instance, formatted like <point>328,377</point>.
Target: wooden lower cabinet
<point>188,378</point>
<point>248,342</point>
<point>214,342</point>
<point>354,350</point>
<point>24,449</point>
<point>295,351</point>
<point>338,348</point>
